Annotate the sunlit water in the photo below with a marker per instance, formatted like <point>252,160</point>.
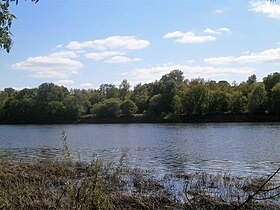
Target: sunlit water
<point>237,148</point>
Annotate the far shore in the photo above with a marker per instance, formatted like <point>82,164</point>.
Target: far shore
<point>203,118</point>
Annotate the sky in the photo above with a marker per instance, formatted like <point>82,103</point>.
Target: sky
<point>86,43</point>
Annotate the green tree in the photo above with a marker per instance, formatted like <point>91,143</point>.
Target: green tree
<point>109,91</point>
<point>270,81</point>
<point>257,99</point>
<point>175,75</point>
<point>94,97</point>
<point>3,98</point>
<point>109,108</point>
<point>252,79</point>
<point>19,107</point>
<point>196,99</point>
<point>218,101</point>
<point>177,106</point>
<point>128,108</point>
<point>169,87</point>
<point>275,99</point>
<point>71,108</point>
<point>55,110</point>
<point>238,102</point>
<point>155,104</point>
<point>50,96</point>
<point>124,89</point>
<point>140,96</point>
<point>82,101</point>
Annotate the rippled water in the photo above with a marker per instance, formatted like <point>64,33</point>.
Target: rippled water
<point>238,148</point>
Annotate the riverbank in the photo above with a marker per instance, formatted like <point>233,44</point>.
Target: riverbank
<point>203,118</point>
<point>73,185</point>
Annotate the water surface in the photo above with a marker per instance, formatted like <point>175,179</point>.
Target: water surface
<point>238,148</point>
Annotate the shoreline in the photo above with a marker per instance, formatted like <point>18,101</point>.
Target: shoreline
<point>204,118</point>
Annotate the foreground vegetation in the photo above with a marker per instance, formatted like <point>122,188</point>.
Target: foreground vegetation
<point>171,98</point>
<point>64,185</point>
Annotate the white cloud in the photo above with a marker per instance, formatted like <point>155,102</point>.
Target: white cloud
<point>224,29</point>
<point>190,61</point>
<point>266,7</point>
<point>64,82</point>
<point>189,37</point>
<point>266,56</point>
<point>211,31</point>
<point>122,59</point>
<point>217,31</point>
<point>150,74</point>
<point>64,54</point>
<point>58,47</point>
<point>88,85</point>
<point>102,55</point>
<point>175,34</point>
<point>56,65</point>
<point>112,42</point>
<point>219,11</point>
<point>219,60</point>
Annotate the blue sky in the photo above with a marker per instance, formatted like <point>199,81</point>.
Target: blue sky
<point>85,43</point>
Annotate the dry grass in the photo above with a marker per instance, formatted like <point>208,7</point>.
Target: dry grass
<point>68,185</point>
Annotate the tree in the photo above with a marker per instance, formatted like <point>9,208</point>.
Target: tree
<point>218,101</point>
<point>257,100</point>
<point>275,99</point>
<point>169,85</point>
<point>196,99</point>
<point>177,106</point>
<point>109,108</point>
<point>270,81</point>
<point>252,79</point>
<point>175,75</point>
<point>128,108</point>
<point>6,19</point>
<point>238,102</point>
<point>155,104</point>
<point>140,96</point>
<point>109,91</point>
<point>124,89</point>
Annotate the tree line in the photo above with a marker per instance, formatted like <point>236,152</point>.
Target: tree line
<point>171,97</point>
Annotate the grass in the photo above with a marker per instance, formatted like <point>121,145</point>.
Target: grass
<point>60,185</point>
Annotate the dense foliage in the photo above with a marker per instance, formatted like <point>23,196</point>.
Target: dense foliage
<point>170,97</point>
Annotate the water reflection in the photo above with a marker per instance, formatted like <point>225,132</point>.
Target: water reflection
<point>248,148</point>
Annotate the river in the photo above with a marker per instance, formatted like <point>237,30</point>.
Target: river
<point>236,148</point>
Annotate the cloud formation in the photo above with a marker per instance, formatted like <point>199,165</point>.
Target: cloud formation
<point>88,85</point>
<point>55,65</point>
<point>65,83</point>
<point>219,11</point>
<point>191,38</point>
<point>122,59</point>
<point>102,55</point>
<point>150,74</point>
<point>271,10</point>
<point>112,42</point>
<point>266,56</point>
<point>217,31</point>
